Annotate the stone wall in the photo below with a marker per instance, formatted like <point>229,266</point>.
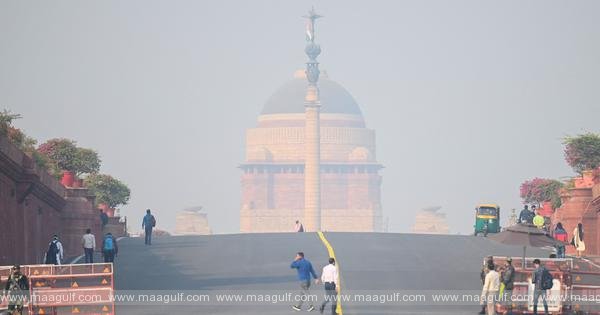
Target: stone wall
<point>31,205</point>
<point>581,204</point>
<point>34,206</point>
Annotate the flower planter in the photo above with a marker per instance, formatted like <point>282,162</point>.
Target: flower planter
<point>67,179</point>
<point>546,209</point>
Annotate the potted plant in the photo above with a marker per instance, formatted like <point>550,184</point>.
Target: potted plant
<point>63,152</point>
<point>582,152</point>
<point>109,191</point>
<point>86,161</point>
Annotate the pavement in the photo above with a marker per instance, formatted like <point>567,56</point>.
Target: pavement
<point>259,264</point>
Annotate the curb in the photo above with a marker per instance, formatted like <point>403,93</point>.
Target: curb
<point>331,252</point>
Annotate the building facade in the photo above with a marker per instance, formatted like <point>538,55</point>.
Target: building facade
<point>273,183</point>
<point>192,221</point>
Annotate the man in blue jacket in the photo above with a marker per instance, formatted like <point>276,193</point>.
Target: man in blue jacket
<point>148,223</point>
<point>305,271</point>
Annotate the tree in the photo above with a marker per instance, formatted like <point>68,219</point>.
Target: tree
<point>86,161</point>
<point>6,119</point>
<point>108,190</point>
<point>582,152</point>
<point>63,153</point>
<point>539,190</point>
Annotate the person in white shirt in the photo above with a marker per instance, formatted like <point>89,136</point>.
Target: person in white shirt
<point>491,286</point>
<point>329,277</point>
<point>89,246</point>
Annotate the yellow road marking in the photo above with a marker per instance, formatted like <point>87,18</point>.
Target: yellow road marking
<point>337,266</point>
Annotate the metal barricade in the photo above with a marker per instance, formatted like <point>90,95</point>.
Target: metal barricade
<point>68,289</point>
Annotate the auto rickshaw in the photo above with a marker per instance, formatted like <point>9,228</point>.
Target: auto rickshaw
<point>487,219</point>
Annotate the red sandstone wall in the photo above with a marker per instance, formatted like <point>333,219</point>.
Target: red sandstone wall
<point>78,215</point>
<point>34,206</point>
<point>30,207</point>
<point>579,204</point>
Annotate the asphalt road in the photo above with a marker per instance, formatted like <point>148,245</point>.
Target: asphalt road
<point>258,264</point>
<point>412,264</point>
<point>230,264</point>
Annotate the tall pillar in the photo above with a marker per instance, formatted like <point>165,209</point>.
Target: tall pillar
<point>312,163</point>
<point>312,136</point>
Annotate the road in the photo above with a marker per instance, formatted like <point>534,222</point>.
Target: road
<point>258,264</point>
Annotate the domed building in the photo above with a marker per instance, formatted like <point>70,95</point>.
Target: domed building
<point>273,186</point>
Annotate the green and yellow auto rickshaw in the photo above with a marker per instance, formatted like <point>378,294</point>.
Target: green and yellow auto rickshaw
<point>487,219</point>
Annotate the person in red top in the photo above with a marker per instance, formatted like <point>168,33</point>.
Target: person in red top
<point>560,235</point>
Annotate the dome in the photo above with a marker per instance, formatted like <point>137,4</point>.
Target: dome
<point>289,98</point>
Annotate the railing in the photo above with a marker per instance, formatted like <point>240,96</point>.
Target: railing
<point>68,289</point>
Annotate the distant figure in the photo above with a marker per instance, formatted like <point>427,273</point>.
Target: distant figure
<point>103,219</point>
<point>508,280</point>
<point>560,235</point>
<point>148,223</point>
<point>491,286</point>
<point>538,281</point>
<point>305,271</point>
<point>329,278</point>
<point>17,288</point>
<point>110,249</point>
<point>526,216</point>
<point>299,227</point>
<point>577,240</point>
<point>54,254</point>
<point>89,246</point>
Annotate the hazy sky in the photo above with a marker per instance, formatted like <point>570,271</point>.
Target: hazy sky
<point>468,98</point>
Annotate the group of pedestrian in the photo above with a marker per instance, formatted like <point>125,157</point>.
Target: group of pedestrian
<point>109,247</point>
<point>498,284</point>
<point>532,217</point>
<point>560,234</point>
<point>329,278</point>
<point>55,252</point>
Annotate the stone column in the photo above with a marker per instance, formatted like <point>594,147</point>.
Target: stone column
<point>312,132</point>
<point>312,169</point>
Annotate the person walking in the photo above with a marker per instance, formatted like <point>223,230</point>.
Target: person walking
<point>17,289</point>
<point>537,280</point>
<point>148,223</point>
<point>54,254</point>
<point>329,278</point>
<point>103,219</point>
<point>305,271</point>
<point>508,280</point>
<point>560,235</point>
<point>299,227</point>
<point>577,240</point>
<point>491,286</point>
<point>88,242</point>
<point>110,249</point>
